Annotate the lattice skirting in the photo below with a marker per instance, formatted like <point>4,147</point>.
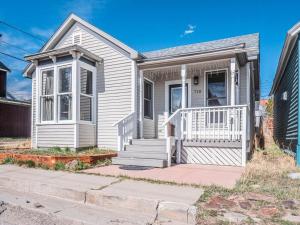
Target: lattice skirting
<point>212,155</point>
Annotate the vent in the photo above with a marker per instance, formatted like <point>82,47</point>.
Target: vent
<point>77,38</point>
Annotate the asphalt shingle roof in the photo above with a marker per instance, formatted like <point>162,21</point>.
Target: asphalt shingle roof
<point>250,41</point>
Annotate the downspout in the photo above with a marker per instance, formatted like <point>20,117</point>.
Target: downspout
<point>298,142</point>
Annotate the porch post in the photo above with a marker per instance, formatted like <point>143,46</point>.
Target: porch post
<point>141,119</point>
<point>183,80</point>
<point>232,87</point>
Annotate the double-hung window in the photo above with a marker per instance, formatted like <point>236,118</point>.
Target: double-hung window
<point>148,100</point>
<point>65,93</point>
<point>47,95</point>
<point>86,94</point>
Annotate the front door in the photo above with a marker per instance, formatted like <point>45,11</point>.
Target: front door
<point>175,97</point>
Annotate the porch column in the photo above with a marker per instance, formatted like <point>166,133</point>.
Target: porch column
<point>141,119</point>
<point>232,86</point>
<point>183,80</point>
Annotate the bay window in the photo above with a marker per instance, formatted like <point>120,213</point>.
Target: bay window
<point>66,93</point>
<point>47,95</point>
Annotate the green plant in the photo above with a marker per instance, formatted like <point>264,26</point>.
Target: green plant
<point>59,166</point>
<point>43,166</point>
<point>67,149</point>
<point>55,149</point>
<point>103,162</point>
<point>81,166</point>
<point>8,160</point>
<point>269,107</point>
<point>20,162</point>
<point>30,163</point>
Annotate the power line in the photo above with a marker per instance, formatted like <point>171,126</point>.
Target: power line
<point>15,46</point>
<point>22,31</point>
<point>14,57</point>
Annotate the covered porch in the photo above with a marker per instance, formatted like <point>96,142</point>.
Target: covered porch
<point>200,109</point>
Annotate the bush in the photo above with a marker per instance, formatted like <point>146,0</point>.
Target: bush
<point>30,163</point>
<point>81,165</point>
<point>59,166</point>
<point>8,160</point>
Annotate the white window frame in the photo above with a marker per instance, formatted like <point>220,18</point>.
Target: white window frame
<point>40,95</point>
<point>152,101</point>
<point>226,84</point>
<point>64,93</point>
<point>93,97</point>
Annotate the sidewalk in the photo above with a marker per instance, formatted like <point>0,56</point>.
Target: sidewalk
<point>160,201</point>
<point>225,176</point>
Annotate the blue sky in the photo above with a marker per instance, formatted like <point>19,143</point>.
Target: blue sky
<point>147,25</point>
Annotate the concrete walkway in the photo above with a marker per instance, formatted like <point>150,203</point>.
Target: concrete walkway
<point>152,202</point>
<point>225,176</point>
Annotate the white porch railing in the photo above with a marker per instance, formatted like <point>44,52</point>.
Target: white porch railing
<point>210,123</point>
<point>125,130</point>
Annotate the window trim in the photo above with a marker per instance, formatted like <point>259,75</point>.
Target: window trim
<point>206,84</point>
<point>152,100</point>
<point>40,95</point>
<point>93,96</point>
<point>67,65</point>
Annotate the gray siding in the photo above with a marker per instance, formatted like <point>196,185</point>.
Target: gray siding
<point>87,135</point>
<point>149,128</point>
<point>286,112</point>
<point>113,83</point>
<point>60,135</point>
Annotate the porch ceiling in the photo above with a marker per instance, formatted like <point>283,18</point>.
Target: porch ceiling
<point>173,72</point>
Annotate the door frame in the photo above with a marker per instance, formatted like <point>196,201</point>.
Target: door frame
<point>172,82</point>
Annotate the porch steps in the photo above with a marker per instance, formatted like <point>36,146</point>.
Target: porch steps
<point>143,153</point>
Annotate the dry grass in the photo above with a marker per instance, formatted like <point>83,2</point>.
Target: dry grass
<point>14,143</point>
<point>267,172</point>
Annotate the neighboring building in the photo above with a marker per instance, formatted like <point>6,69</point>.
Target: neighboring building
<point>285,90</point>
<point>15,116</point>
<point>89,89</point>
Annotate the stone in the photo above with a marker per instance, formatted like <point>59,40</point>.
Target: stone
<point>38,205</point>
<point>245,205</point>
<point>234,217</point>
<point>289,204</point>
<point>268,211</point>
<point>294,176</point>
<point>251,196</point>
<point>291,218</point>
<point>219,202</point>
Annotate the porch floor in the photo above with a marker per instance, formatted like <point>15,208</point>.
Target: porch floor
<point>225,176</point>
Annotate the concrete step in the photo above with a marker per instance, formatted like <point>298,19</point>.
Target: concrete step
<point>151,142</point>
<point>147,148</point>
<point>143,155</point>
<point>139,162</point>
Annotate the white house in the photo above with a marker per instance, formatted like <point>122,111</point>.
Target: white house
<point>187,104</point>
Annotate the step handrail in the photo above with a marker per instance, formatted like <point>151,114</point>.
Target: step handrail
<point>123,118</point>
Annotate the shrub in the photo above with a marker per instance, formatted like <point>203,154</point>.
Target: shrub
<point>59,166</point>
<point>8,160</point>
<point>30,163</point>
<point>81,166</point>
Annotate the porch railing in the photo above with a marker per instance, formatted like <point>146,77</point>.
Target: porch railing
<point>209,123</point>
<point>125,130</point>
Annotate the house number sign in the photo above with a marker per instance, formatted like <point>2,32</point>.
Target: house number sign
<point>197,91</point>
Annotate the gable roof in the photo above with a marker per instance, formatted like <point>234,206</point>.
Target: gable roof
<point>64,28</point>
<point>3,67</point>
<point>289,42</point>
<point>250,42</point>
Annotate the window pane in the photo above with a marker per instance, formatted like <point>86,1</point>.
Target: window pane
<point>47,108</point>
<point>147,108</point>
<point>85,108</point>
<point>148,112</point>
<point>86,81</point>
<point>148,90</point>
<point>216,88</point>
<point>47,82</point>
<point>65,102</point>
<point>65,79</point>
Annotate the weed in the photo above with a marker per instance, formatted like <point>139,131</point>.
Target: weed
<point>30,163</point>
<point>81,165</point>
<point>8,160</point>
<point>59,166</point>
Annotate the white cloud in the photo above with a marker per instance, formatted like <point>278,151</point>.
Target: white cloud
<point>20,89</point>
<point>84,8</point>
<point>44,33</point>
<point>190,29</point>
